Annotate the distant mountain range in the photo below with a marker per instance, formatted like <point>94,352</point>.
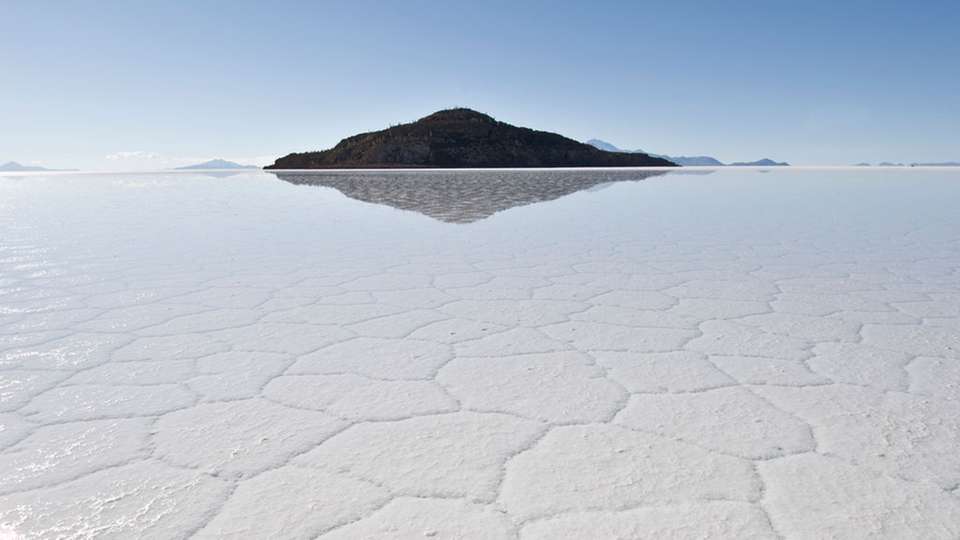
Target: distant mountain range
<point>760,163</point>
<point>217,164</point>
<point>13,166</point>
<point>690,161</point>
<point>462,138</point>
<point>607,147</point>
<point>891,164</point>
<point>695,161</point>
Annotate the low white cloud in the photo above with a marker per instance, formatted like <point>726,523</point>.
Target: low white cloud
<point>138,154</point>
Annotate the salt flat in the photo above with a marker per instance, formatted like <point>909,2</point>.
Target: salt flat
<point>513,354</point>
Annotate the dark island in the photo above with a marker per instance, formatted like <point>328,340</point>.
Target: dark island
<point>462,138</point>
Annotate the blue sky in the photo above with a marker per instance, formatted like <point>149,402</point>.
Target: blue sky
<point>134,85</point>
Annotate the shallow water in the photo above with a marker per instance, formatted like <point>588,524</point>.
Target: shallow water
<point>534,354</point>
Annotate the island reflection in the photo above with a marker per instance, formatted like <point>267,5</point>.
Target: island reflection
<point>463,196</point>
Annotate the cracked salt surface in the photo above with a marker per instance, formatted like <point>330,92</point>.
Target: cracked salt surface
<point>505,354</point>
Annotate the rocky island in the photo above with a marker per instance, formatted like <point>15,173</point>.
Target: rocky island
<point>462,138</point>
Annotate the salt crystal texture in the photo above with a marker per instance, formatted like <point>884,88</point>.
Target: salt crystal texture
<point>461,354</point>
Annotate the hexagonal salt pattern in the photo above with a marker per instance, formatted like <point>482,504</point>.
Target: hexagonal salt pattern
<point>726,355</point>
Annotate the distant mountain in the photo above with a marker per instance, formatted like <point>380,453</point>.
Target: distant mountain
<point>760,163</point>
<point>608,147</point>
<point>461,138</point>
<point>892,164</point>
<point>217,164</point>
<point>13,166</point>
<point>686,161</point>
<point>604,145</point>
<point>695,161</point>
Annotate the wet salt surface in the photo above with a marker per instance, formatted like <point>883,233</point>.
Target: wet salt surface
<point>533,354</point>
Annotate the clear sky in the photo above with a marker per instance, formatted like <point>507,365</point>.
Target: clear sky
<point>133,85</point>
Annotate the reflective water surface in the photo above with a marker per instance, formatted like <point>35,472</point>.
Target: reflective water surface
<point>463,196</point>
<point>481,354</point>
